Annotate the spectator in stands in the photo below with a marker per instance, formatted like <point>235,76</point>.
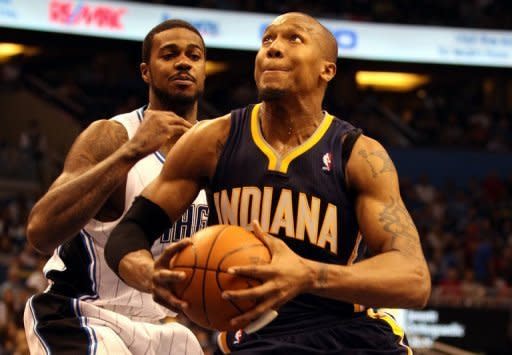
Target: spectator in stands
<point>472,292</point>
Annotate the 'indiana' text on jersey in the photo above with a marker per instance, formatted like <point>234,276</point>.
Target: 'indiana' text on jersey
<point>300,197</point>
<point>303,222</point>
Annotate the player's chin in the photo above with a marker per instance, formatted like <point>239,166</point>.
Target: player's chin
<point>184,96</point>
<point>270,93</point>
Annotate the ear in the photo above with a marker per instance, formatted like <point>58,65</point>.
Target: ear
<point>328,71</point>
<point>145,73</point>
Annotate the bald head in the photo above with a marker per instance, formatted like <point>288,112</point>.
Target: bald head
<point>326,39</point>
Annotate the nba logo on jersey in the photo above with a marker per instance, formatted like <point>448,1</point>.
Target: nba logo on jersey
<point>327,162</point>
<point>238,336</point>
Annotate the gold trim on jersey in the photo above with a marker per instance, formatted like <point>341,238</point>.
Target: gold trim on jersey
<point>397,330</point>
<point>222,343</point>
<point>276,162</point>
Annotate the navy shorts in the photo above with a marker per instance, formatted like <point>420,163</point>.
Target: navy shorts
<point>370,333</point>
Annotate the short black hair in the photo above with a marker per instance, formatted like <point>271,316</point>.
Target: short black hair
<point>164,26</point>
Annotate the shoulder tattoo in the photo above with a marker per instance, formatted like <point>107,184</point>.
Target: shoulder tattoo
<point>378,160</point>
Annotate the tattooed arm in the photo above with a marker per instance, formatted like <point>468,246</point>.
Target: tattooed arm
<point>92,181</point>
<point>397,275</point>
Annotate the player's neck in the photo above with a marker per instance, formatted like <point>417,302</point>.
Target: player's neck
<point>188,112</point>
<point>290,123</point>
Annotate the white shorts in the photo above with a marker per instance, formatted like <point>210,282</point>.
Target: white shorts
<point>60,325</point>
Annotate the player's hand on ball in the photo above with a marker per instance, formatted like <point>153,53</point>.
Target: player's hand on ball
<point>156,129</point>
<point>283,279</point>
<point>163,278</point>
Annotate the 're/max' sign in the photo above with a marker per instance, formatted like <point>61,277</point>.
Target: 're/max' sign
<point>81,13</point>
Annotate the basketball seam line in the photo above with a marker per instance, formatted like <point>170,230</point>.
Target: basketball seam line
<point>245,247</point>
<point>204,275</point>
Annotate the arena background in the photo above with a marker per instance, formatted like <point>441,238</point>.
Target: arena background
<point>446,124</point>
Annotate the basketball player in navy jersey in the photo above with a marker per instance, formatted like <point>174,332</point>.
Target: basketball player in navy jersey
<point>88,309</point>
<point>318,189</point>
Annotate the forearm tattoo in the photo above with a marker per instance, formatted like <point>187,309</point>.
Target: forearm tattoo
<point>395,219</point>
<point>323,275</point>
<point>383,161</point>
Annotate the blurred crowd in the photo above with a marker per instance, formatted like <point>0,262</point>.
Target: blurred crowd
<point>433,118</point>
<point>467,238</point>
<point>20,273</point>
<point>23,161</point>
<point>474,13</point>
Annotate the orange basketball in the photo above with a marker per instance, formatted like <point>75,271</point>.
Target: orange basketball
<point>206,262</point>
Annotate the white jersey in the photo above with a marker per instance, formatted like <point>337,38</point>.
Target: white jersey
<point>78,268</point>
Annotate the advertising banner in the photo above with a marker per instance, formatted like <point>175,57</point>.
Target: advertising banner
<point>243,30</point>
<point>472,329</point>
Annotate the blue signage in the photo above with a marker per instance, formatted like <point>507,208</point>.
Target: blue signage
<point>205,27</point>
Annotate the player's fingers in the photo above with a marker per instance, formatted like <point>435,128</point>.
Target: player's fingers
<point>166,116</point>
<point>259,272</point>
<point>167,299</point>
<point>178,131</point>
<point>165,278</point>
<point>170,251</point>
<point>261,235</point>
<point>178,121</point>
<point>187,123</point>
<point>253,293</point>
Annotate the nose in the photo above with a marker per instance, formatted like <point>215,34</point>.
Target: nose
<point>182,63</point>
<point>274,50</point>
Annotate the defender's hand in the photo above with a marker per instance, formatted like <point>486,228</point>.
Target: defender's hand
<point>156,129</point>
<point>285,277</point>
<point>163,278</point>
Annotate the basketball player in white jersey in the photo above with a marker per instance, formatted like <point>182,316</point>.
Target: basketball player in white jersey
<point>87,308</point>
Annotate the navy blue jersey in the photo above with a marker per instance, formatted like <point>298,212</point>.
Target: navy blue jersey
<point>300,197</point>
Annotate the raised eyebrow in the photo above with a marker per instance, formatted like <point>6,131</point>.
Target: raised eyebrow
<point>302,28</point>
<point>171,46</point>
<point>287,27</point>
<point>174,46</point>
<point>195,46</point>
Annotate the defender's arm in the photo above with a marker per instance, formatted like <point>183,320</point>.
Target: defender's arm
<point>95,166</point>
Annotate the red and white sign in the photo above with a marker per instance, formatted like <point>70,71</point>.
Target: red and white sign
<point>81,13</point>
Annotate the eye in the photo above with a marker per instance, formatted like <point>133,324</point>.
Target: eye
<point>267,39</point>
<point>168,56</point>
<point>195,56</point>
<point>295,38</point>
